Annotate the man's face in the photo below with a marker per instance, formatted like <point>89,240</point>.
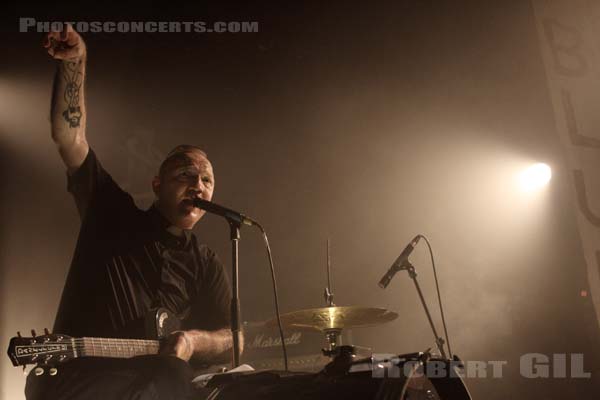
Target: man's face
<point>187,176</point>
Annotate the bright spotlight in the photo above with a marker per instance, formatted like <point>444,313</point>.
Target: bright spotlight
<point>535,177</point>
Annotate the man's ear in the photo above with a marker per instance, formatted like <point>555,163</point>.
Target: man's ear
<point>156,185</point>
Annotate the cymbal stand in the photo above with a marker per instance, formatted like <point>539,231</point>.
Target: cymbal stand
<point>328,294</point>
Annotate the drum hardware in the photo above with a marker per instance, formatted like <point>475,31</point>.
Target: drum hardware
<point>345,376</point>
<point>334,341</point>
<point>407,382</point>
<point>422,356</point>
<point>342,359</point>
<point>335,318</point>
<point>328,294</point>
<point>332,320</point>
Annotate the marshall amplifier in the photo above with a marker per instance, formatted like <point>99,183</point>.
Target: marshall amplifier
<point>262,348</point>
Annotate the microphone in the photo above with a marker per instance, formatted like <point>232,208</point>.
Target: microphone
<point>225,212</point>
<point>397,265</point>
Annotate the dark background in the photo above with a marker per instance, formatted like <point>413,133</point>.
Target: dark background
<point>362,123</point>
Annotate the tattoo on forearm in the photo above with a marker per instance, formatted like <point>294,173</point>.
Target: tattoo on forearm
<point>74,79</point>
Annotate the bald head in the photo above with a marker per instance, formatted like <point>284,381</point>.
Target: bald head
<point>179,154</point>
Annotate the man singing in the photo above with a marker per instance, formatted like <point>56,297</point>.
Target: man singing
<point>128,261</point>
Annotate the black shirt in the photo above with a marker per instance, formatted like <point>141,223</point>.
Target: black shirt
<point>127,263</point>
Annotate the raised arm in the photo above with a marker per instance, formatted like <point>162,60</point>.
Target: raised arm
<point>67,111</point>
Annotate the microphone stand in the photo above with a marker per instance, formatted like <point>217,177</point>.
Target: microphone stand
<point>412,273</point>
<point>235,299</point>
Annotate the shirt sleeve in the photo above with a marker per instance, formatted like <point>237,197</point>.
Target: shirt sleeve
<point>95,191</point>
<point>210,308</point>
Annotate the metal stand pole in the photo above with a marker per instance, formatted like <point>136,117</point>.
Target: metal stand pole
<point>413,275</point>
<point>235,300</point>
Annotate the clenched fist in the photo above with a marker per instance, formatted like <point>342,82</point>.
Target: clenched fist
<point>66,45</point>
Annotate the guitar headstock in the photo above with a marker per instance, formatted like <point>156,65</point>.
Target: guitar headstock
<point>43,349</point>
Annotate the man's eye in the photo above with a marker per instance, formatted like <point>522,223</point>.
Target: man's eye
<point>206,179</point>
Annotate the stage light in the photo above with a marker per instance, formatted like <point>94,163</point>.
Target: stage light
<point>535,177</point>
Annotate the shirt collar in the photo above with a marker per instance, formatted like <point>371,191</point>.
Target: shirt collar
<point>163,225</point>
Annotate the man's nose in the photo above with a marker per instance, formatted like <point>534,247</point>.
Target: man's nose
<point>197,184</point>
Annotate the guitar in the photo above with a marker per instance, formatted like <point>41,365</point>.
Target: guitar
<point>52,349</point>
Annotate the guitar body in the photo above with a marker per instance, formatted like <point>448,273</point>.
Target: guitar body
<point>51,349</point>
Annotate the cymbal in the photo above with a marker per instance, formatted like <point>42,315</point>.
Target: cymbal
<point>328,318</point>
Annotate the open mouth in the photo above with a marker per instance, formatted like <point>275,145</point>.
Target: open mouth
<point>187,202</point>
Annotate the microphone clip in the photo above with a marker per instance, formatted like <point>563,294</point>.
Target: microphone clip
<point>407,266</point>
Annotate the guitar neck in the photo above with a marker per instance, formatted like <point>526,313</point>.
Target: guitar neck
<point>115,348</point>
<point>56,348</point>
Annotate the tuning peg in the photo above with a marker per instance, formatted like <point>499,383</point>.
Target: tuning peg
<point>19,334</point>
<point>33,333</point>
<point>46,332</point>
